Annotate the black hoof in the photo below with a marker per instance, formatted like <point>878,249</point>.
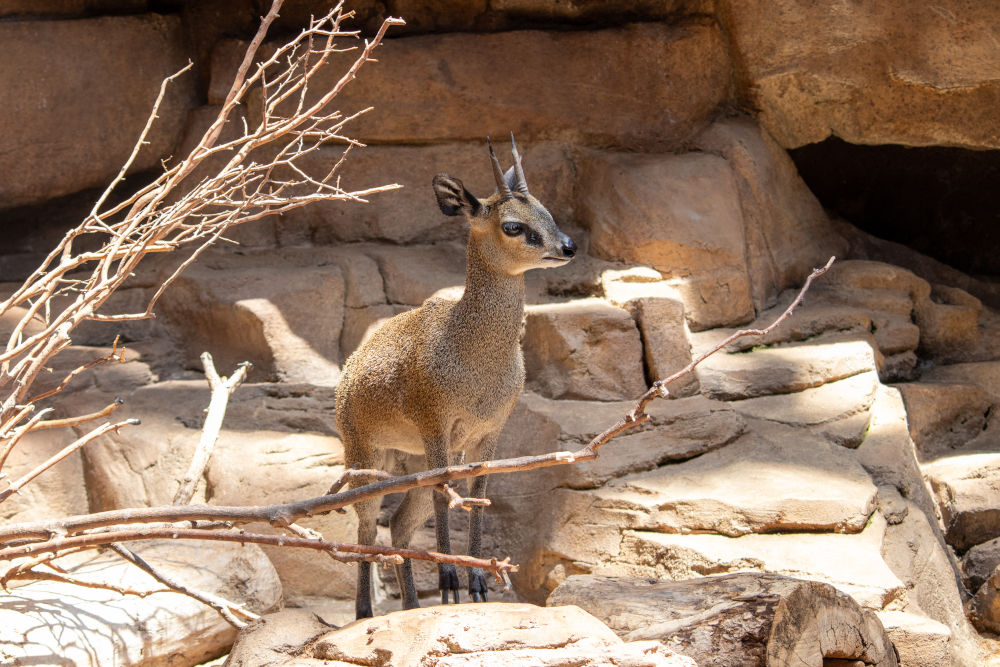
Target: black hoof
<point>447,581</point>
<point>477,585</point>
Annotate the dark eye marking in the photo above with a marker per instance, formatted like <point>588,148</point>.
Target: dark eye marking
<point>512,228</point>
<point>533,238</point>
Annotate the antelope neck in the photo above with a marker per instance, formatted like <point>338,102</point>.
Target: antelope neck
<point>493,304</point>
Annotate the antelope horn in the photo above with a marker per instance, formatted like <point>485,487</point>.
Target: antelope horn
<point>502,188</point>
<point>520,185</point>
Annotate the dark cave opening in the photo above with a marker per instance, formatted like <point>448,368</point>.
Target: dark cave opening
<point>942,202</point>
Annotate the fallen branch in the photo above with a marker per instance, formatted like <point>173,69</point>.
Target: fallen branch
<point>230,611</point>
<point>373,553</point>
<point>222,389</point>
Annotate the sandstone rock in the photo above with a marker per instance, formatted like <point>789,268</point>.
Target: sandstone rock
<point>888,453</point>
<point>140,466</point>
<point>490,634</point>
<point>678,430</point>
<point>914,550</point>
<point>90,626</point>
<point>658,310</point>
<point>944,417</point>
<point>566,525</point>
<point>281,317</point>
<point>585,349</point>
<point>985,375</point>
<point>851,563</point>
<point>57,492</point>
<point>679,214</point>
<point>868,74</point>
<point>744,619</point>
<point>360,323</point>
<point>299,466</point>
<point>918,639</point>
<point>445,87</point>
<point>410,214</point>
<point>65,79</point>
<point>984,608</point>
<point>869,275</point>
<point>780,369</point>
<point>966,489</point>
<point>413,274</point>
<point>788,233</point>
<point>839,410</point>
<point>772,479</point>
<point>979,562</point>
<point>947,332</point>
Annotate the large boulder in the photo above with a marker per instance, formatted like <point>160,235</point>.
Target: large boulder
<point>679,214</point>
<point>787,231</point>
<point>61,623</point>
<point>886,73</point>
<point>966,489</point>
<point>584,349</point>
<point>64,82</point>
<point>464,86</point>
<point>470,635</point>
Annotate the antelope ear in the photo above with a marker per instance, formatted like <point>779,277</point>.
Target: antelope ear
<point>453,198</point>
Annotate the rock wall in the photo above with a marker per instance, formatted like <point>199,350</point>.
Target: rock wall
<point>855,446</point>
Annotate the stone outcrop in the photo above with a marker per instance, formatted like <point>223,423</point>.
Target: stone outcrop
<point>51,622</point>
<point>490,634</point>
<point>885,74</point>
<point>63,81</point>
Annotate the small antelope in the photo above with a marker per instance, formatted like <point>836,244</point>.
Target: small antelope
<point>443,379</point>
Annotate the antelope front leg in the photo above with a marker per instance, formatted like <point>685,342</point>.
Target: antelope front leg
<point>477,578</point>
<point>437,457</point>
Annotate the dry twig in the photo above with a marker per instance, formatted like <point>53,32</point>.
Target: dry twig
<point>222,389</point>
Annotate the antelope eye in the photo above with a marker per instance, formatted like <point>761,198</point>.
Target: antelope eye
<point>512,228</point>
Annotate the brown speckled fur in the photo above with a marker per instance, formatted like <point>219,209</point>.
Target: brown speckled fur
<point>443,379</point>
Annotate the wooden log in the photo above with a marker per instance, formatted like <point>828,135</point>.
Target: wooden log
<point>742,619</point>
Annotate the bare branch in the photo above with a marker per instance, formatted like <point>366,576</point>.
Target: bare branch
<point>17,485</point>
<point>230,611</point>
<point>222,389</point>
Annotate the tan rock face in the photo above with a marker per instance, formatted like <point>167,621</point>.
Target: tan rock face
<point>679,214</point>
<point>487,635</point>
<point>64,80</point>
<point>90,626</point>
<point>966,489</point>
<point>979,562</point>
<point>585,349</point>
<point>889,73</point>
<point>466,86</point>
<point>285,321</point>
<point>944,417</point>
<point>787,232</point>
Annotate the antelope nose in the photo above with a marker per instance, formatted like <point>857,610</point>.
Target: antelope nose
<point>569,248</point>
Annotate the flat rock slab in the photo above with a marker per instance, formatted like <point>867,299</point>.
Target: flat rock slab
<point>839,410</point>
<point>966,489</point>
<point>851,563</point>
<point>746,619</point>
<point>45,622</point>
<point>944,417</point>
<point>487,635</point>
<point>984,374</point>
<point>774,478</point>
<point>780,370</point>
<point>918,640</point>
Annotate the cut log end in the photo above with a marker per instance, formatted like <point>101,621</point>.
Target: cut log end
<point>765,619</point>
